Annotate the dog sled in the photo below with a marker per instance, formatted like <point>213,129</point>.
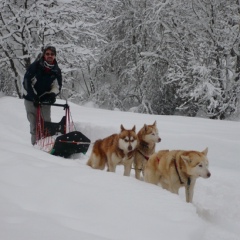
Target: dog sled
<point>59,139</point>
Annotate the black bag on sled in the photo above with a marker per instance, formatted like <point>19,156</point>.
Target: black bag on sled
<point>70,143</point>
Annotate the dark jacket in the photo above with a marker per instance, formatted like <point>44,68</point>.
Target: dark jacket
<point>39,80</point>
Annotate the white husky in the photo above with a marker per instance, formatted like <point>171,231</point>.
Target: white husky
<point>177,168</point>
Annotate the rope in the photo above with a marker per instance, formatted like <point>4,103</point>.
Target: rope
<point>61,96</point>
<point>73,142</point>
<point>72,121</point>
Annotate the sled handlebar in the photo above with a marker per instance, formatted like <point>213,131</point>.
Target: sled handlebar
<point>56,104</point>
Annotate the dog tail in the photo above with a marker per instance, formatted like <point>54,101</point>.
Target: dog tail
<point>97,158</point>
<point>89,162</point>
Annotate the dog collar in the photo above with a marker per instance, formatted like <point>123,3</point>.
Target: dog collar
<point>144,144</point>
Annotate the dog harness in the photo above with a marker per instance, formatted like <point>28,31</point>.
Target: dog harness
<point>146,157</point>
<point>179,177</point>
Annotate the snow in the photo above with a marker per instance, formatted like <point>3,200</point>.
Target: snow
<point>48,197</point>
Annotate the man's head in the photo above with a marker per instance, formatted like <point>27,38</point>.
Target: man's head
<point>49,54</point>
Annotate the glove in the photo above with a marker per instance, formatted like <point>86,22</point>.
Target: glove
<point>36,101</point>
<point>52,98</point>
<point>48,98</point>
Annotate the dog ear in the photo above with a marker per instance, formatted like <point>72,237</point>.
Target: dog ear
<point>122,128</point>
<point>134,128</point>
<point>205,151</point>
<point>145,127</point>
<point>186,159</point>
<point>155,123</point>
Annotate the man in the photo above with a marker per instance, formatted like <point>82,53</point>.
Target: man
<point>42,82</point>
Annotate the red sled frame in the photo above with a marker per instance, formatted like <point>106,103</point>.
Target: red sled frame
<point>41,132</point>
<point>59,138</point>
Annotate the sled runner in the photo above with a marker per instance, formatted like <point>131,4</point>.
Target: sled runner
<point>59,139</point>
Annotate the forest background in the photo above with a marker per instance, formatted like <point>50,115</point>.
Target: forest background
<point>149,56</point>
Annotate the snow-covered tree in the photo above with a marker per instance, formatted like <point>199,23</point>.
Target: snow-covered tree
<point>132,62</point>
<point>27,26</point>
<point>150,56</point>
<point>210,79</point>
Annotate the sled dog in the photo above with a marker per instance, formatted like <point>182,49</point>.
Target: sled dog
<point>113,150</point>
<point>177,168</point>
<point>147,139</point>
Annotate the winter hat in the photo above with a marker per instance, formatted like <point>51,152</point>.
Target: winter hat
<point>51,48</point>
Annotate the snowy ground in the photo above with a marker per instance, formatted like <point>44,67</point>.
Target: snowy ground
<point>52,198</point>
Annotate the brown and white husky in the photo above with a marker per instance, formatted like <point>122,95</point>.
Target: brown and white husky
<point>147,139</point>
<point>113,150</point>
